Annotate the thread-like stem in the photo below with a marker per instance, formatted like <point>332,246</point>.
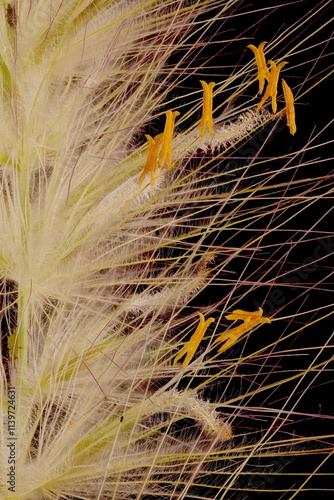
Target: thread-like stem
<point>22,339</point>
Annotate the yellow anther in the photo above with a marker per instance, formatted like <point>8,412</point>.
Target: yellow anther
<point>250,320</point>
<point>151,162</point>
<point>274,84</point>
<point>260,59</point>
<point>191,346</point>
<point>207,120</point>
<point>271,90</point>
<point>267,93</point>
<point>290,108</point>
<point>167,139</point>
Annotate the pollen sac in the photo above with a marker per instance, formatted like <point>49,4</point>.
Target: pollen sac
<point>167,140</point>
<point>151,162</point>
<point>250,320</point>
<point>262,68</point>
<point>190,348</point>
<point>207,120</point>
<point>274,83</point>
<point>290,108</point>
<point>271,90</point>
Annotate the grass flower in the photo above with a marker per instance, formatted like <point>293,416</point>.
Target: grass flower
<point>101,271</point>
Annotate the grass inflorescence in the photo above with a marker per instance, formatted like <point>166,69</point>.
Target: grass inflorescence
<point>134,229</point>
